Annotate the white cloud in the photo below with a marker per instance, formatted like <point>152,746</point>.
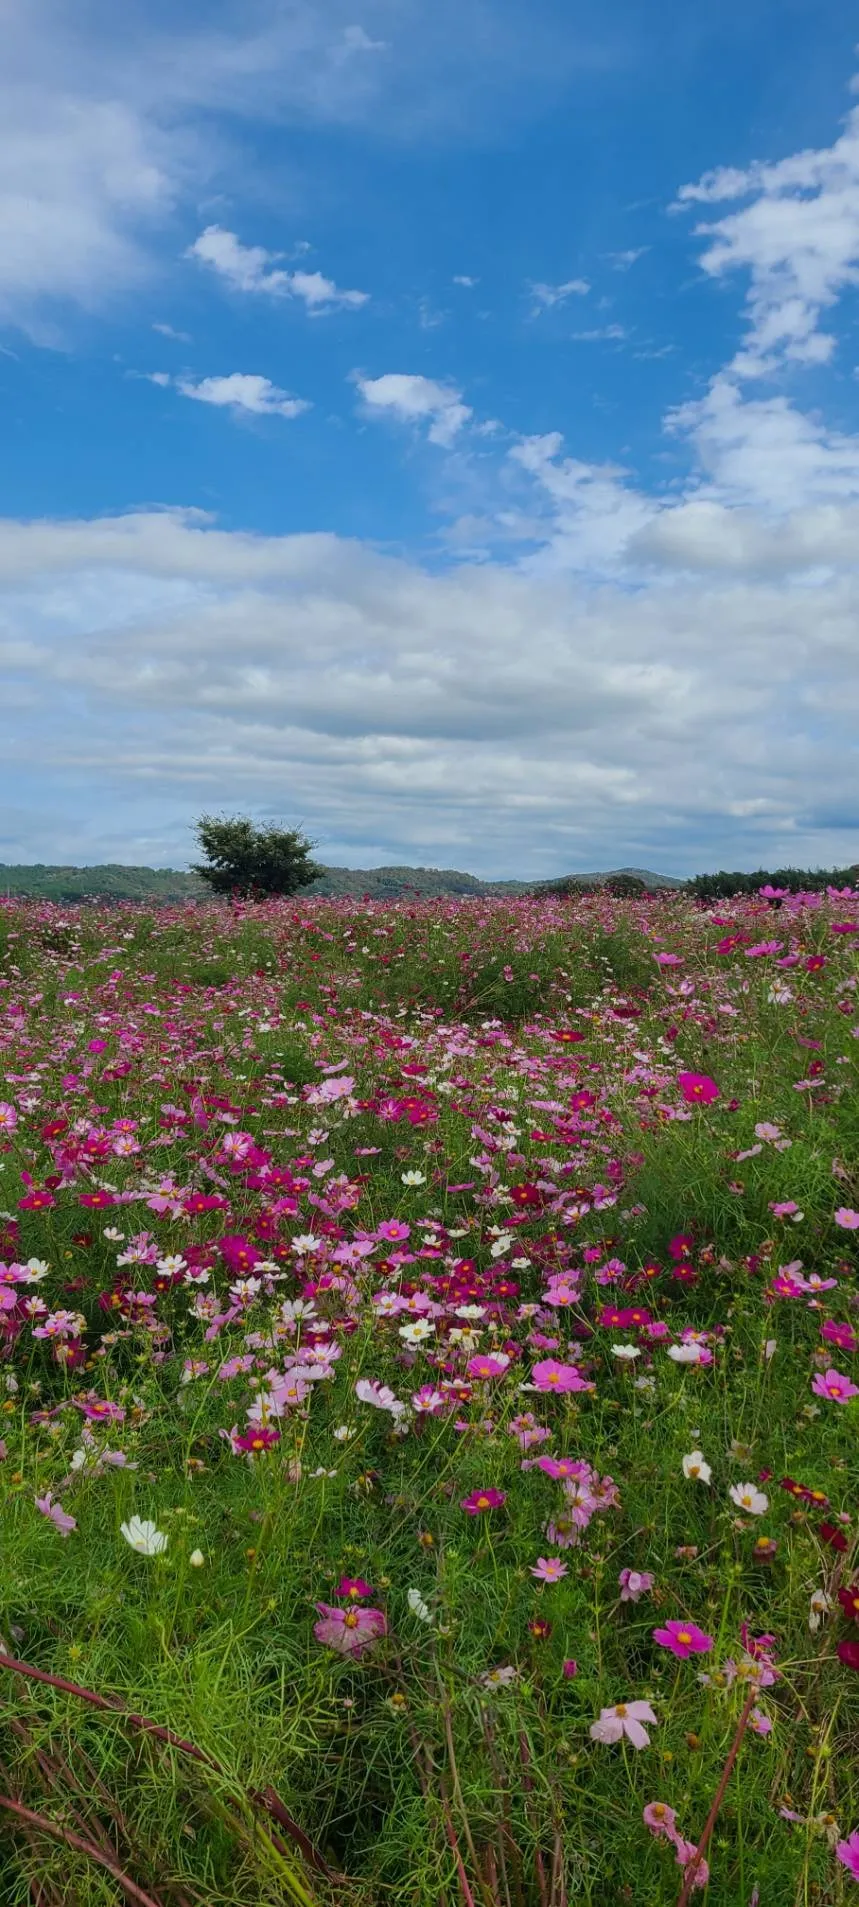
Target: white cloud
<point>601,334</point>
<point>80,182</point>
<point>622,261</point>
<point>167,331</point>
<point>798,238</point>
<point>489,717</point>
<point>417,400</point>
<point>242,391</point>
<point>469,283</point>
<point>545,296</point>
<point>251,268</point>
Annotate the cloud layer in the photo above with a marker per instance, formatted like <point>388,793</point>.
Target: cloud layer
<point>504,720</point>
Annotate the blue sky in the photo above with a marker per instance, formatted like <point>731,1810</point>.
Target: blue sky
<point>433,426</point>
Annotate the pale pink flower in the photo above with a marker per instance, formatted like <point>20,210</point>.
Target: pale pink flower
<point>349,1631</point>
<point>56,1514</point>
<point>625,1718</point>
<point>634,1583</point>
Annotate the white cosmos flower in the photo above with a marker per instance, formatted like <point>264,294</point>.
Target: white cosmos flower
<point>685,1353</point>
<point>413,1178</point>
<point>305,1241</point>
<point>417,1605</point>
<point>627,1351</point>
<point>819,1607</point>
<point>415,1332</point>
<point>696,1466</point>
<point>748,1497</point>
<point>144,1536</point>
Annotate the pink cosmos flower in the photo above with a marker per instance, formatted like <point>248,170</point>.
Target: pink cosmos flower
<point>549,1569</point>
<point>635,1583</point>
<point>685,1853</point>
<point>698,1088</point>
<point>849,1222</point>
<point>659,1818</point>
<point>349,1631</point>
<point>570,1669</point>
<point>56,1514</point>
<point>488,1366</point>
<point>833,1384</point>
<point>481,1500</point>
<point>550,1375</point>
<point>393,1230</point>
<point>624,1719</point>
<point>683,1639</point>
<point>563,1468</point>
<point>847,1852</point>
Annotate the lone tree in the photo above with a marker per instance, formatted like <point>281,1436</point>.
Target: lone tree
<point>255,862</point>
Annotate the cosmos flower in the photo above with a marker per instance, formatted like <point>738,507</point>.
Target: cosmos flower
<point>480,1500</point>
<point>144,1536</point>
<point>625,1719</point>
<point>748,1497</point>
<point>349,1631</point>
<point>683,1639</point>
<point>835,1386</point>
<point>549,1569</point>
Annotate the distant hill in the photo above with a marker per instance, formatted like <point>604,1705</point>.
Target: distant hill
<point>165,886</point>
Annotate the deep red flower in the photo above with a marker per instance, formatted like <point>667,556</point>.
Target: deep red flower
<point>849,1600</point>
<point>848,1653</point>
<point>831,1534</point>
<point>526,1194</point>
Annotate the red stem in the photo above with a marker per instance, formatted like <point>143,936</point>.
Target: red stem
<point>695,1860</point>
<point>265,1798</point>
<point>29,1819</point>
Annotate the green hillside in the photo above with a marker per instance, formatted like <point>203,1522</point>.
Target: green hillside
<point>166,886</point>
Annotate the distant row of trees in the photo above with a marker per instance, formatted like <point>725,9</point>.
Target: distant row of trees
<point>793,880</point>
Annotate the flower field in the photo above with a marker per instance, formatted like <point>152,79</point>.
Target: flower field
<point>430,1394</point>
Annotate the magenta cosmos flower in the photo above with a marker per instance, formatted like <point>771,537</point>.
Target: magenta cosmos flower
<point>624,1719</point>
<point>848,1853</point>
<point>834,1384</point>
<point>683,1639</point>
<point>481,1500</point>
<point>698,1088</point>
<point>349,1631</point>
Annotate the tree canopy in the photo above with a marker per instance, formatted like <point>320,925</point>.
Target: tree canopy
<point>241,858</point>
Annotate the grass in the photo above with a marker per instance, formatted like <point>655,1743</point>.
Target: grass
<point>504,1109</point>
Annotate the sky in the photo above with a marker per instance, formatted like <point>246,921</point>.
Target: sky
<point>432,424</point>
